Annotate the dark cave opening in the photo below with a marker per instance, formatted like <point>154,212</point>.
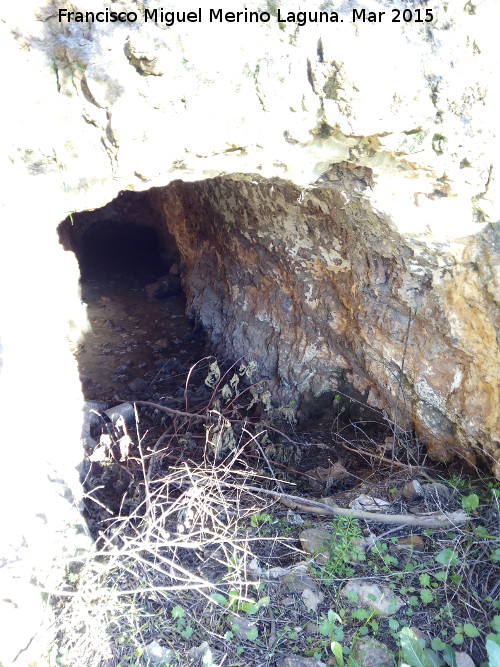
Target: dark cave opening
<point>139,340</point>
<point>122,249</point>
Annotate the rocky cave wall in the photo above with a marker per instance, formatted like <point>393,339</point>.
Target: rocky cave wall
<point>327,295</point>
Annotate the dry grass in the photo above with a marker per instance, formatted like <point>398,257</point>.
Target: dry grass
<point>184,541</point>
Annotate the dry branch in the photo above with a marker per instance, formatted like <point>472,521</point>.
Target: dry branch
<point>172,411</point>
<point>432,520</point>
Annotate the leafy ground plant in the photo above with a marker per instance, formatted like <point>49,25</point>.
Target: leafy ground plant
<point>343,549</point>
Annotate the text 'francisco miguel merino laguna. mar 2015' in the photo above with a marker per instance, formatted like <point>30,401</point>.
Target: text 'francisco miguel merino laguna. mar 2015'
<point>214,15</point>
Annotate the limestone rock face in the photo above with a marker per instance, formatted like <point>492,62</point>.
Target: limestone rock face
<point>352,197</point>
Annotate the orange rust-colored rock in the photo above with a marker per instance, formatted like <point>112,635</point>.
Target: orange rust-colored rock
<point>328,296</point>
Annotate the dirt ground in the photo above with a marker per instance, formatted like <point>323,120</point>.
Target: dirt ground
<point>132,338</point>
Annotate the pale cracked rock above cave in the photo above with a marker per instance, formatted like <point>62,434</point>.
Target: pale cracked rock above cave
<point>383,205</point>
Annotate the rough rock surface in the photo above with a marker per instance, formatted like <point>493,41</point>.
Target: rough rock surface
<point>380,598</point>
<point>314,540</point>
<point>299,581</point>
<point>371,653</point>
<point>373,193</point>
<point>329,295</point>
<point>158,655</point>
<point>300,661</point>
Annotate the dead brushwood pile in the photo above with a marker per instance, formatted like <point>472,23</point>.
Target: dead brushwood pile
<point>226,536</point>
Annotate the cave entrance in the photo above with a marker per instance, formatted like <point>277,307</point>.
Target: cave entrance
<point>140,343</point>
<point>122,251</point>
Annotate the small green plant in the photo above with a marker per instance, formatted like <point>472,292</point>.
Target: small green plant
<point>447,557</point>
<point>425,592</point>
<point>238,603</point>
<point>493,651</point>
<point>382,550</point>
<point>331,629</point>
<point>181,625</point>
<point>260,518</point>
<point>416,654</point>
<point>336,649</point>
<point>470,502</point>
<point>341,549</point>
<point>331,626</point>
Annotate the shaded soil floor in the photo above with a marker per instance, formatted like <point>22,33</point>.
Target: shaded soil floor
<point>137,346</point>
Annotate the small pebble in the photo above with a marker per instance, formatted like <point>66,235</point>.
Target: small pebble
<point>412,490</point>
<point>137,385</point>
<point>414,542</point>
